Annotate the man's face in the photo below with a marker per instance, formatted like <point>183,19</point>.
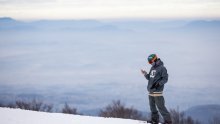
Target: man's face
<point>153,63</point>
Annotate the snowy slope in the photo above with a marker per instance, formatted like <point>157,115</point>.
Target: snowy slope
<point>18,116</point>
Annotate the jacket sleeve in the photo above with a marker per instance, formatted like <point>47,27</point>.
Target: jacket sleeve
<point>164,76</point>
<point>147,76</point>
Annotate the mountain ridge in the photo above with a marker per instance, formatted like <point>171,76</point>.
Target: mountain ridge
<point>8,23</point>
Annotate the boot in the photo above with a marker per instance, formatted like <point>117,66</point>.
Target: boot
<point>153,122</point>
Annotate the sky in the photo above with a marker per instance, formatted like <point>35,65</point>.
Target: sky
<point>110,9</point>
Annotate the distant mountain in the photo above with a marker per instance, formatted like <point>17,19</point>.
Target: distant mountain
<point>144,25</point>
<point>66,24</point>
<point>203,26</point>
<point>204,113</point>
<point>7,23</point>
<point>6,20</point>
<point>200,27</point>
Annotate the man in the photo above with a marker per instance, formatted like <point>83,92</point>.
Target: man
<point>157,77</point>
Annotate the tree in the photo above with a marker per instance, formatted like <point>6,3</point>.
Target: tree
<point>214,120</point>
<point>118,110</point>
<point>34,105</point>
<point>180,118</point>
<point>68,110</point>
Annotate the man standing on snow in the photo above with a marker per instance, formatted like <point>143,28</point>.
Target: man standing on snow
<point>157,77</point>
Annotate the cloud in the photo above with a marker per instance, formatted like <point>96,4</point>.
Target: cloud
<point>112,2</point>
<point>81,9</point>
<point>25,1</point>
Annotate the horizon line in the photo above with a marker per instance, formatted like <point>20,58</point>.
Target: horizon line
<point>113,19</point>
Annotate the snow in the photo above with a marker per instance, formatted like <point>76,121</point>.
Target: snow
<point>18,116</point>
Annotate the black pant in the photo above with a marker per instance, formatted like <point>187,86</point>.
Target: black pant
<point>158,102</point>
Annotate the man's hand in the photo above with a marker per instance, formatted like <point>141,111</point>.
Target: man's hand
<point>143,72</point>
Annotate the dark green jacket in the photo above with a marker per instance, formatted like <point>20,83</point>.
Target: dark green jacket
<point>157,74</point>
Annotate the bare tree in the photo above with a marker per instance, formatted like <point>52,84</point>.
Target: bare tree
<point>118,110</point>
<point>180,118</point>
<point>215,120</point>
<point>68,110</point>
<point>34,105</point>
<point>47,108</point>
<point>23,105</point>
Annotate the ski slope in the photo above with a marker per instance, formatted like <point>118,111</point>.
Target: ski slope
<point>18,116</point>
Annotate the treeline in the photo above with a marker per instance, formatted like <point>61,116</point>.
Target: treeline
<point>38,105</point>
<point>34,105</point>
<point>116,109</point>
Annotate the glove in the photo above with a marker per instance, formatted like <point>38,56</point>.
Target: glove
<point>155,85</point>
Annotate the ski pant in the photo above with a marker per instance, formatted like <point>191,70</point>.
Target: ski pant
<point>158,102</point>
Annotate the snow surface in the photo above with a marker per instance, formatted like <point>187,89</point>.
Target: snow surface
<point>18,116</point>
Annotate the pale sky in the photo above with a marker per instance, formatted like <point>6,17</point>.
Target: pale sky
<point>110,9</point>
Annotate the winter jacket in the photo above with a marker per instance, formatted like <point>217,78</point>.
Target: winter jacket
<point>157,75</point>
